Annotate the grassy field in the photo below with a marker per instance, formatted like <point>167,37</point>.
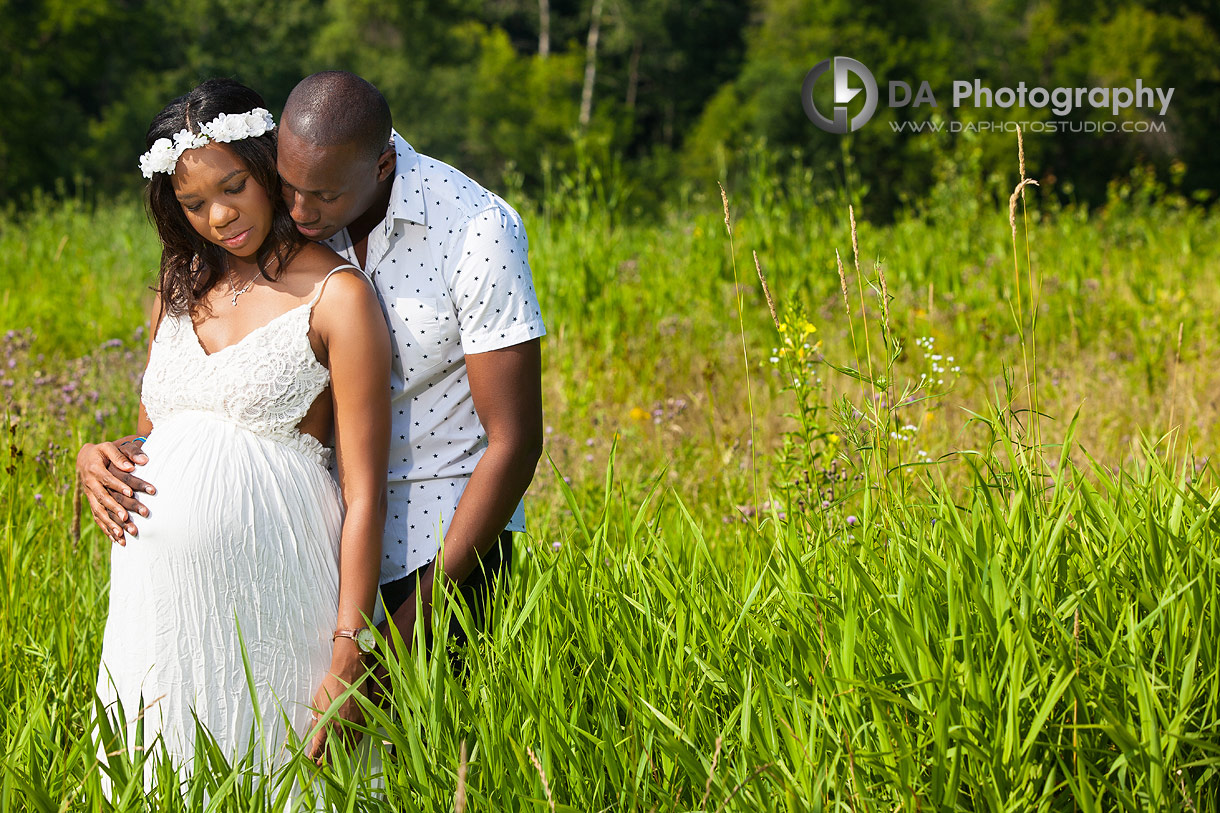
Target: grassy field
<point>957,550</point>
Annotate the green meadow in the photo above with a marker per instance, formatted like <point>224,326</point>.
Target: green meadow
<point>925,522</point>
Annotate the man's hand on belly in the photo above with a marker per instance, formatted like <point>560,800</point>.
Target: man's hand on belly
<point>105,471</point>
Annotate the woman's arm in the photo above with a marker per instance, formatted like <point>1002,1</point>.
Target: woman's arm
<point>105,469</point>
<point>348,318</point>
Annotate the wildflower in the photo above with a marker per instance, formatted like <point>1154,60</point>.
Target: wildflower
<point>851,520</point>
<point>555,546</point>
<point>638,414</point>
<point>38,499</point>
<point>588,458</point>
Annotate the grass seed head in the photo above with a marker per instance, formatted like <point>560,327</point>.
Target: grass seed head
<point>538,767</point>
<point>843,282</point>
<point>885,294</point>
<point>724,198</point>
<point>1012,204</point>
<point>766,290</point>
<point>855,243</point>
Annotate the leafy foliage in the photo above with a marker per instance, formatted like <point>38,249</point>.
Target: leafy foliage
<point>682,88</point>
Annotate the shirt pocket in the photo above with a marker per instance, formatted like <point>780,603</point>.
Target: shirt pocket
<point>415,323</point>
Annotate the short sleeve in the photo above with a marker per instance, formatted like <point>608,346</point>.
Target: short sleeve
<point>489,280</point>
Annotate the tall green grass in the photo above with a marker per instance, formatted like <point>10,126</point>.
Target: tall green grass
<point>995,651</point>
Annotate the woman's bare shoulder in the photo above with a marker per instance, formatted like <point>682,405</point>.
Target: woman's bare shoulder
<point>311,266</point>
<point>345,293</point>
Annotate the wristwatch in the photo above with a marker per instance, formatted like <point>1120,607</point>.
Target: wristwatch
<point>366,642</point>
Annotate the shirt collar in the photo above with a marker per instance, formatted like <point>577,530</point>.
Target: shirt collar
<point>407,194</point>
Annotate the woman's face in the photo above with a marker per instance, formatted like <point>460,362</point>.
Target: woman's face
<point>221,199</point>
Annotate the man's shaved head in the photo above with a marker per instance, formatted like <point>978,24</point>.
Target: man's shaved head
<point>334,108</point>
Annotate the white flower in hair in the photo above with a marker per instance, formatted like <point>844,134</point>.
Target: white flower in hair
<point>225,127</point>
<point>186,140</point>
<point>163,155</point>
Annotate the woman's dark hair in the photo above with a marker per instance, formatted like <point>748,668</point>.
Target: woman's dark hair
<point>191,265</point>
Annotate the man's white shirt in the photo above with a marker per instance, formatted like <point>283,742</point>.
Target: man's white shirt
<point>450,265</point>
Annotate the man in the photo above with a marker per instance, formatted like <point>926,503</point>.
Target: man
<point>449,261</point>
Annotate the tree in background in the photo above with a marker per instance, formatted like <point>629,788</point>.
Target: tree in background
<point>665,91</point>
<point>1052,44</point>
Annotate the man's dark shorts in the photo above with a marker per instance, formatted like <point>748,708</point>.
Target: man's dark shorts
<point>475,589</point>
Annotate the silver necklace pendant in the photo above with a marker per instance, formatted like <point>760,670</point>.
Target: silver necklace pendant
<point>237,293</point>
<point>234,289</point>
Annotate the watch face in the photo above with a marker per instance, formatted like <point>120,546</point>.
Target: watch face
<point>365,640</point>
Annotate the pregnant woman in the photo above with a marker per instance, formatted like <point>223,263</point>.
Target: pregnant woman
<point>264,346</point>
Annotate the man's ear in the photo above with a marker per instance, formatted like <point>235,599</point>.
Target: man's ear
<point>387,162</point>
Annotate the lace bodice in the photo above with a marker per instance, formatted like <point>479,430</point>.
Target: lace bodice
<point>266,382</point>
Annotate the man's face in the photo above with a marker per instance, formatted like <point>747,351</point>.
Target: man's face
<point>326,188</point>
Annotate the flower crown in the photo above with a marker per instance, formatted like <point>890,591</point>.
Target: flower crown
<point>164,154</point>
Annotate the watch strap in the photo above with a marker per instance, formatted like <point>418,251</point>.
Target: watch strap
<point>353,634</point>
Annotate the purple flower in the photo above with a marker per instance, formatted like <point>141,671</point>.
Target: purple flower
<point>38,499</point>
<point>555,546</point>
<point>851,519</point>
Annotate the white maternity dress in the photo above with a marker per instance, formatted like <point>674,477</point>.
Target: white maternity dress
<point>241,545</point>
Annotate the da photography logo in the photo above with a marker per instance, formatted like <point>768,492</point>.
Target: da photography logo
<point>1131,108</point>
<point>842,67</point>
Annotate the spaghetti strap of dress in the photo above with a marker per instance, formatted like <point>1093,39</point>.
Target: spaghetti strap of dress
<point>322,288</point>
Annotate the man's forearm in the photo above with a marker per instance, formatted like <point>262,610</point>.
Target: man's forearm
<point>496,486</point>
